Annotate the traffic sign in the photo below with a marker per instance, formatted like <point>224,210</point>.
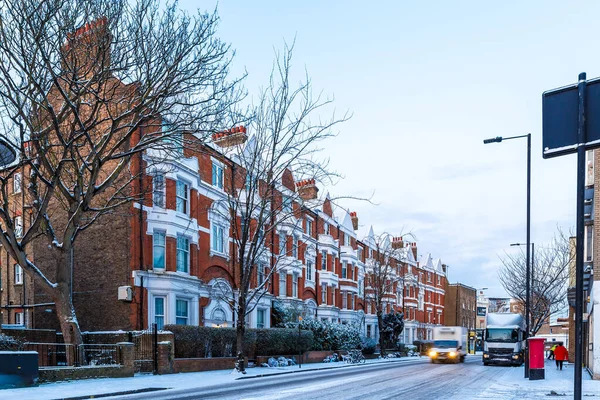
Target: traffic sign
<point>560,112</point>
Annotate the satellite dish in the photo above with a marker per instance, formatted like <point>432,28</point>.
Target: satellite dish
<point>7,153</point>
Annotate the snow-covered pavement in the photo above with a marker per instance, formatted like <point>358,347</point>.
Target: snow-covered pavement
<point>512,385</point>
<point>413,378</point>
<point>94,387</point>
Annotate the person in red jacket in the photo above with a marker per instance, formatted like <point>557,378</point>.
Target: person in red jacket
<point>560,355</point>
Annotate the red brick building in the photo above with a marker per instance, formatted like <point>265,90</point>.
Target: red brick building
<point>164,259</point>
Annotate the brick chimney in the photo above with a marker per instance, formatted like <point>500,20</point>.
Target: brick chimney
<point>230,137</point>
<point>413,247</point>
<point>354,219</point>
<point>307,189</point>
<point>87,50</point>
<point>397,243</point>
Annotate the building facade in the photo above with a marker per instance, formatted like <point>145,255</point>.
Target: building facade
<point>170,256</point>
<point>173,250</point>
<point>461,305</point>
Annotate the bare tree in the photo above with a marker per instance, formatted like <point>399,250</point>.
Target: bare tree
<point>87,86</point>
<point>550,274</point>
<point>384,272</point>
<point>285,134</point>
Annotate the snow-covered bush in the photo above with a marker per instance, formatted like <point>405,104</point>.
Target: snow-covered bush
<point>369,345</point>
<point>278,341</point>
<point>332,336</point>
<point>8,343</point>
<point>202,341</point>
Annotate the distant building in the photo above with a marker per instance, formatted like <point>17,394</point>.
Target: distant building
<point>460,306</point>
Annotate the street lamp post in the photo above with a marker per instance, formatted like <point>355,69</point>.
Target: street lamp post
<point>499,139</point>
<point>532,272</point>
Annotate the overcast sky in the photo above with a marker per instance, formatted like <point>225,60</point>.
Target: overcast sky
<point>426,83</point>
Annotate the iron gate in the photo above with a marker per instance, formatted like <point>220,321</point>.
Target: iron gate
<point>146,349</point>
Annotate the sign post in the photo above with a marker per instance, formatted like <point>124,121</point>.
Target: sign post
<point>571,123</point>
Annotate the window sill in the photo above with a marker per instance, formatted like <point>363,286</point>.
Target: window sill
<point>183,272</point>
<point>215,253</point>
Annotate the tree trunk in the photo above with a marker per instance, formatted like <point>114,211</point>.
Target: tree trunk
<point>240,331</point>
<point>69,325</point>
<point>380,329</point>
<point>65,311</point>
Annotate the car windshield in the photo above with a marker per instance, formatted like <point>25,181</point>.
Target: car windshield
<point>502,335</point>
<point>445,344</point>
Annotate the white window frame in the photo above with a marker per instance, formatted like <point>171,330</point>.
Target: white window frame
<point>184,201</point>
<point>18,226</point>
<point>260,274</point>
<point>344,270</point>
<point>218,238</point>
<point>217,174</point>
<point>20,318</point>
<point>294,246</point>
<point>260,311</point>
<point>282,284</point>
<point>158,190</point>
<point>323,260</point>
<point>324,293</point>
<point>326,228</point>
<point>310,270</point>
<point>282,243</point>
<point>344,300</point>
<point>17,183</point>
<point>188,313</point>
<point>308,226</point>
<point>164,247</point>
<point>295,285</point>
<point>185,252</point>
<point>346,239</point>
<point>18,274</point>
<point>164,314</point>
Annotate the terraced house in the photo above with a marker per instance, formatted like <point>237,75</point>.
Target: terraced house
<point>171,256</point>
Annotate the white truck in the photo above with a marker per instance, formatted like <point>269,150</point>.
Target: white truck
<point>449,344</point>
<point>504,339</point>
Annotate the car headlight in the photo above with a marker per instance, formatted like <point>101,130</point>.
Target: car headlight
<point>516,356</point>
<point>452,354</point>
<point>432,353</point>
<point>486,356</point>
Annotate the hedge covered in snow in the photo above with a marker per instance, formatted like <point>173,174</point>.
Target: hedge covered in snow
<point>204,342</point>
<point>332,336</point>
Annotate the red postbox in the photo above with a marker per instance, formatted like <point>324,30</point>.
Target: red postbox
<point>536,358</point>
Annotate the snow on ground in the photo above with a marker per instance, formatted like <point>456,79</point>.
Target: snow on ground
<point>188,380</point>
<point>512,385</point>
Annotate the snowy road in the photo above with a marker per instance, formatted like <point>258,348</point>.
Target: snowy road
<point>416,380</point>
<point>409,378</point>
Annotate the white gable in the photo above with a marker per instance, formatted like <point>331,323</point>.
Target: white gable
<point>426,261</point>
